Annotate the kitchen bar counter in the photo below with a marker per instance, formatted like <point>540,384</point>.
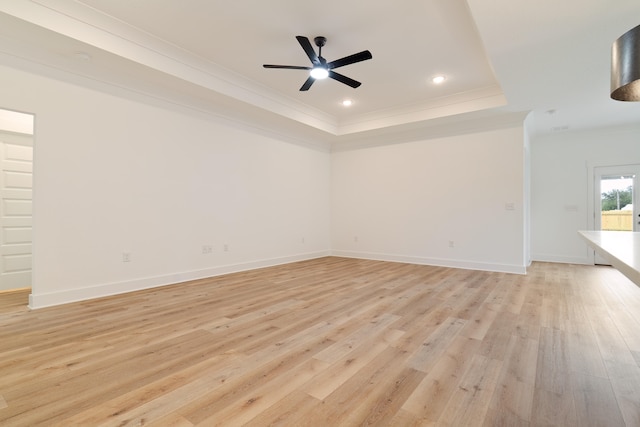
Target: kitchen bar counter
<point>621,248</point>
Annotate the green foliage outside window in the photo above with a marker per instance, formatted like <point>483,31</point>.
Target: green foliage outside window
<point>616,199</point>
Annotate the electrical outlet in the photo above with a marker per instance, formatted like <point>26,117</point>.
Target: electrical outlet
<point>452,244</point>
<point>126,256</point>
<point>355,239</point>
<point>225,247</point>
<point>207,249</point>
<point>302,241</point>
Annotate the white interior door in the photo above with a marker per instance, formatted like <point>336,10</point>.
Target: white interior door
<point>16,168</point>
<point>616,200</point>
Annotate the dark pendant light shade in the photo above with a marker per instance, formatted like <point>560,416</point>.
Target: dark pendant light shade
<point>625,66</point>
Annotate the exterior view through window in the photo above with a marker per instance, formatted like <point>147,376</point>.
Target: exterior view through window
<point>617,202</point>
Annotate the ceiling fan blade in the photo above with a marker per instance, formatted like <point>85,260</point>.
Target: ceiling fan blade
<point>307,84</point>
<point>287,67</point>
<point>344,79</point>
<point>351,59</point>
<point>308,49</point>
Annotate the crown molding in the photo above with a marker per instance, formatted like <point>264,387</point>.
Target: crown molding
<point>84,24</point>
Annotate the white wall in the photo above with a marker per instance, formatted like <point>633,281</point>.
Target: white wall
<point>406,202</point>
<point>113,175</point>
<point>560,166</point>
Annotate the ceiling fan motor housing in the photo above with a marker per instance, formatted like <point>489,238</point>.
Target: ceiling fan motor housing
<point>320,41</point>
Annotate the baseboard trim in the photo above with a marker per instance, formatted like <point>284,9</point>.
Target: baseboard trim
<point>37,301</point>
<point>108,289</point>
<point>561,259</point>
<point>440,262</point>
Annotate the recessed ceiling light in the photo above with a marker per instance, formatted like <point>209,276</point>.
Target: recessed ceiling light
<point>347,103</point>
<point>438,79</point>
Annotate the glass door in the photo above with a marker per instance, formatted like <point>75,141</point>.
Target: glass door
<point>617,200</point>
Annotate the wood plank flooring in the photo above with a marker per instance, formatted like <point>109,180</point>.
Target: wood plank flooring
<point>333,342</point>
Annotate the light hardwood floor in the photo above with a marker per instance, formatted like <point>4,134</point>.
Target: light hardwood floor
<point>333,342</point>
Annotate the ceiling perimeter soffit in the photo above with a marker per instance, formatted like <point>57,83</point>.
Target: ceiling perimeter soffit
<point>78,21</point>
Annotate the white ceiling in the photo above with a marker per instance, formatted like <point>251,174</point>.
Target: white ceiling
<point>502,58</point>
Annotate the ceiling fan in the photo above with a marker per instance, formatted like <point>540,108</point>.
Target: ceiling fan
<point>322,69</point>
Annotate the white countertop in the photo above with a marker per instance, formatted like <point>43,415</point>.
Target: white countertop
<point>621,248</point>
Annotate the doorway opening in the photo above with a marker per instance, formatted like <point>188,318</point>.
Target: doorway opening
<point>16,184</point>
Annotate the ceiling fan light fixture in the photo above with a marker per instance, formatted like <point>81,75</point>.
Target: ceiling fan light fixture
<point>625,66</point>
<point>319,73</point>
<point>438,79</point>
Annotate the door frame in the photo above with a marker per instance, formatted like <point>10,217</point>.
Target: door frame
<point>592,186</point>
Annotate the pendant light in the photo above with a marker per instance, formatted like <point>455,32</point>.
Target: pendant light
<point>625,66</point>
